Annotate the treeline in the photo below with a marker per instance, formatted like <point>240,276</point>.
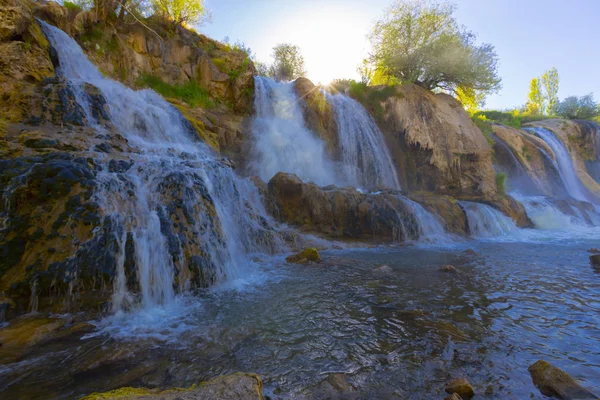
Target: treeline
<point>177,12</point>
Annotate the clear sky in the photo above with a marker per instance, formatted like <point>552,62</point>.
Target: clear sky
<point>530,36</point>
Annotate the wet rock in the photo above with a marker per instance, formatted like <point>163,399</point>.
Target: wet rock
<point>448,269</point>
<point>595,259</point>
<point>469,253</point>
<point>27,331</point>
<point>461,387</point>
<point>383,269</point>
<point>337,247</point>
<point>334,387</point>
<point>342,212</point>
<point>453,396</point>
<point>554,382</point>
<point>239,385</point>
<point>309,254</point>
<point>594,250</point>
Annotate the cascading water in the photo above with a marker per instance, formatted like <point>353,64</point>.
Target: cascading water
<point>430,227</point>
<point>282,143</point>
<point>366,159</point>
<point>566,169</point>
<point>487,222</point>
<point>171,171</point>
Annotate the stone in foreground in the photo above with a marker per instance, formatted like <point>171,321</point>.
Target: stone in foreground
<point>239,385</point>
<point>554,382</point>
<point>595,259</point>
<point>461,387</point>
<point>307,255</point>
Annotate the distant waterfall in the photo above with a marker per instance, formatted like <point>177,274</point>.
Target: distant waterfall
<point>282,143</point>
<point>565,165</point>
<point>366,159</point>
<point>224,213</point>
<point>487,222</point>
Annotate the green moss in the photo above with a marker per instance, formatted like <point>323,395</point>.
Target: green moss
<point>71,6</point>
<point>190,92</point>
<point>92,36</point>
<point>485,126</point>
<point>501,183</point>
<point>207,137</point>
<point>220,63</point>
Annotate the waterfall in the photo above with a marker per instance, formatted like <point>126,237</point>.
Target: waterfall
<point>282,143</point>
<point>171,173</point>
<point>429,225</point>
<point>487,222</point>
<point>366,159</point>
<point>559,215</point>
<point>508,163</point>
<point>568,175</point>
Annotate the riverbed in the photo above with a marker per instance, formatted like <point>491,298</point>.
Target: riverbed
<point>401,333</point>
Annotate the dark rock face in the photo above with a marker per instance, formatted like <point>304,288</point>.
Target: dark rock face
<point>341,212</point>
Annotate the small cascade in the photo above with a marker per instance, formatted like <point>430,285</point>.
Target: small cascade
<point>559,214</point>
<point>487,222</point>
<point>170,176</point>
<point>366,159</point>
<point>593,166</point>
<point>509,164</point>
<point>282,143</point>
<point>429,225</point>
<point>568,175</point>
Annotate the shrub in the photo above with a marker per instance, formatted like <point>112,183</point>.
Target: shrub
<point>501,183</point>
<point>575,107</point>
<point>485,126</point>
<point>190,92</point>
<point>71,6</point>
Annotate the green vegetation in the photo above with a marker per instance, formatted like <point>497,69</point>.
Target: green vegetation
<point>180,12</point>
<point>485,126</point>
<point>422,43</point>
<point>93,35</point>
<point>288,62</point>
<point>574,107</point>
<point>501,183</point>
<point>189,92</point>
<point>71,6</point>
<point>369,96</point>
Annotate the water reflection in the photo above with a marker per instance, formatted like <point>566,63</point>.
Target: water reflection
<point>404,332</point>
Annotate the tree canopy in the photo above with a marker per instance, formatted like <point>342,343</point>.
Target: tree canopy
<point>288,62</point>
<point>422,43</point>
<point>543,94</point>
<point>574,107</point>
<point>180,12</point>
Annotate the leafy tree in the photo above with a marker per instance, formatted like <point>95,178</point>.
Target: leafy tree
<point>535,102</point>
<point>550,85</point>
<point>422,43</point>
<point>472,100</point>
<point>180,12</point>
<point>574,107</point>
<point>366,72</point>
<point>288,62</point>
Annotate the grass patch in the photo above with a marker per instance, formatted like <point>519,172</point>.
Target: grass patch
<point>92,36</point>
<point>485,126</point>
<point>71,6</point>
<point>370,97</point>
<point>501,183</point>
<point>190,92</point>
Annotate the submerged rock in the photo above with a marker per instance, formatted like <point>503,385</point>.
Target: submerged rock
<point>383,269</point>
<point>453,396</point>
<point>309,254</point>
<point>449,269</point>
<point>460,386</point>
<point>554,382</point>
<point>469,253</point>
<point>239,385</point>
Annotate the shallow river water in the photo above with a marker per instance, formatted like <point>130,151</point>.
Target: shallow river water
<point>401,334</point>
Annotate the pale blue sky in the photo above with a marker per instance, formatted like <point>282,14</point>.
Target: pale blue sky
<point>530,36</point>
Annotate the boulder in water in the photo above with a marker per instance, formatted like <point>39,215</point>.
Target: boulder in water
<point>594,250</point>
<point>453,396</point>
<point>595,259</point>
<point>239,385</point>
<point>469,253</point>
<point>383,269</point>
<point>451,269</point>
<point>460,386</point>
<point>310,254</point>
<point>554,382</point>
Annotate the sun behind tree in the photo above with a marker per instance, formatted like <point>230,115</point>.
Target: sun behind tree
<point>422,43</point>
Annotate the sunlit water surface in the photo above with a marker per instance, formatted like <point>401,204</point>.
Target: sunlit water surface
<point>396,335</point>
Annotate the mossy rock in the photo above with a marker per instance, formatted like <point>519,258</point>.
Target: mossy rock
<point>309,254</point>
<point>554,382</point>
